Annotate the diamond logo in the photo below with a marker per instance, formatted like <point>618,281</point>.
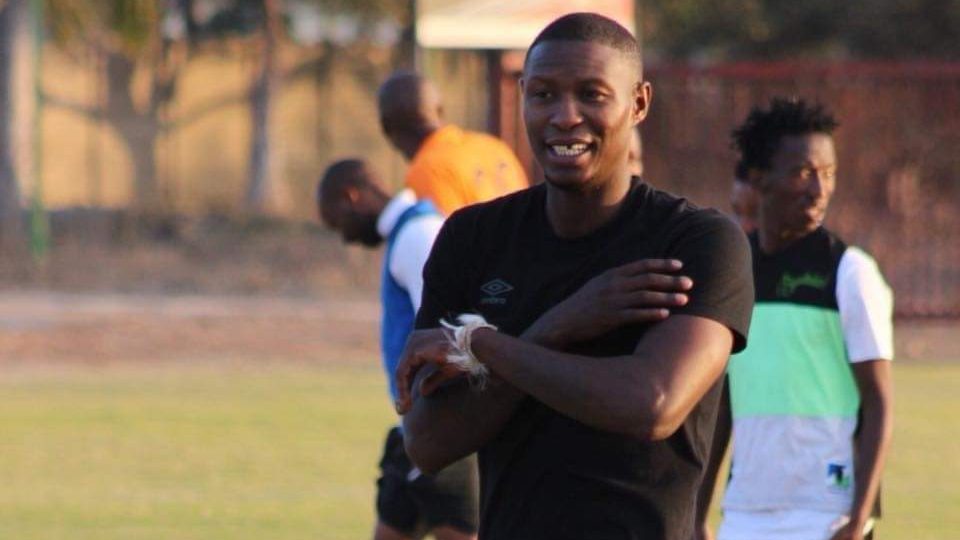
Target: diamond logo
<point>496,287</point>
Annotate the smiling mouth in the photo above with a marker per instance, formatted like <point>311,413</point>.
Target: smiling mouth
<point>569,150</point>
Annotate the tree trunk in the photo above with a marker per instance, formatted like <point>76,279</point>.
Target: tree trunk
<point>139,131</point>
<point>261,193</point>
<point>11,216</point>
<point>140,137</point>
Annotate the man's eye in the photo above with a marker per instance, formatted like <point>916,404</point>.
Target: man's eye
<point>593,95</point>
<point>541,94</point>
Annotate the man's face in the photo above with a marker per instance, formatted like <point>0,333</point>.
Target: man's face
<point>581,103</point>
<point>798,187</point>
<point>343,212</point>
<point>389,132</point>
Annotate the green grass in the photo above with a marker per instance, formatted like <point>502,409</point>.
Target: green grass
<point>285,451</point>
<point>182,452</point>
<point>921,486</point>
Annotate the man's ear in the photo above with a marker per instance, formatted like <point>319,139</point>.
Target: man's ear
<point>642,96</point>
<point>352,195</point>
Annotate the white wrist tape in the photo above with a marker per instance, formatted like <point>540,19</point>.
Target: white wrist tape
<point>461,354</point>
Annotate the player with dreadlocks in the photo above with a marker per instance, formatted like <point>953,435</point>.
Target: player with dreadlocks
<point>811,394</point>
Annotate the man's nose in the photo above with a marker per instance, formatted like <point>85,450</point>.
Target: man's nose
<point>566,115</point>
<point>816,188</point>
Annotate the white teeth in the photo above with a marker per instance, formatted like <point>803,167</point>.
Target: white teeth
<point>569,150</point>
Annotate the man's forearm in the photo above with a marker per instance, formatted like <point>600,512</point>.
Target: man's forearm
<point>457,420</point>
<point>874,381</point>
<point>646,395</point>
<point>871,449</point>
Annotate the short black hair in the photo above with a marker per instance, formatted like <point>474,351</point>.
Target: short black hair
<point>741,172</point>
<point>758,138</point>
<point>594,28</point>
<point>340,174</point>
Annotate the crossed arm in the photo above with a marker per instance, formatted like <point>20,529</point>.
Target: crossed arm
<point>646,394</point>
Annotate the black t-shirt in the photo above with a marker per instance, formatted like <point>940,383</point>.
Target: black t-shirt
<point>549,476</point>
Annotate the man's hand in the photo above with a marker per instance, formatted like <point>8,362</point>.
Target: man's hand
<point>637,292</point>
<point>424,348</point>
<point>853,530</point>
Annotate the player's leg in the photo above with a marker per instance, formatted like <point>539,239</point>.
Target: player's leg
<point>449,500</point>
<point>398,517</point>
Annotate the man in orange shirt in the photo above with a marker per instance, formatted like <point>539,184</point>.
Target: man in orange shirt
<point>451,166</point>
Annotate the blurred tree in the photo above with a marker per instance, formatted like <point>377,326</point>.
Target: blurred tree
<point>363,16</point>
<point>11,225</point>
<point>127,34</point>
<point>262,194</point>
<point>263,191</point>
<point>770,29</point>
<point>905,28</point>
<point>124,35</point>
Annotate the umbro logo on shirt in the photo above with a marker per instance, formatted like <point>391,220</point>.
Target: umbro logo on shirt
<point>494,291</point>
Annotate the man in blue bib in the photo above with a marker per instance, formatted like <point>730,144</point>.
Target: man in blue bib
<point>352,201</point>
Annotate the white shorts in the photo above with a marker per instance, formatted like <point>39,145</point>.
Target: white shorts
<point>782,525</point>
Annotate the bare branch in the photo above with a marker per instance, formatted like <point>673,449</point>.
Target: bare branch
<point>82,109</point>
<point>204,109</point>
<point>318,62</point>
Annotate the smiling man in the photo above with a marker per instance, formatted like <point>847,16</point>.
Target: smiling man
<point>812,394</point>
<point>587,425</point>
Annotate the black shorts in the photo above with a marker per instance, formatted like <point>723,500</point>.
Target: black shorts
<point>415,503</point>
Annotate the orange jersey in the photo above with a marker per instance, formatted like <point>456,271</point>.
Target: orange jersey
<point>455,168</point>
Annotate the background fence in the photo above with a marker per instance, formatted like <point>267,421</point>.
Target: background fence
<point>324,108</point>
<point>898,191</point>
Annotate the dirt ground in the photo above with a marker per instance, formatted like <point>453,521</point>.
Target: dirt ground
<point>215,288</point>
<point>104,328</point>
<point>107,328</point>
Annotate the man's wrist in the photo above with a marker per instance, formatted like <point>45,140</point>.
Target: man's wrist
<point>481,343</point>
<point>549,331</point>
<point>859,519</point>
<point>460,335</point>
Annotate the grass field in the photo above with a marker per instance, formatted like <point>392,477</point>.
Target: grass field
<point>288,450</point>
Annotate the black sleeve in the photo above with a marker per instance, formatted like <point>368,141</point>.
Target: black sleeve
<point>716,256</point>
<point>444,274</point>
